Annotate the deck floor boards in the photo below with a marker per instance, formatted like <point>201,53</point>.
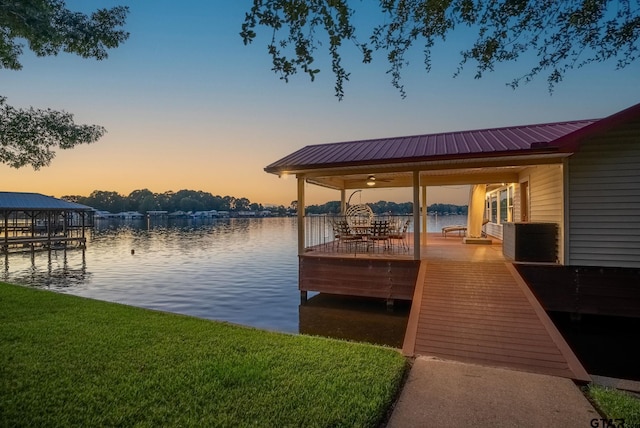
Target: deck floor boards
<point>472,308</point>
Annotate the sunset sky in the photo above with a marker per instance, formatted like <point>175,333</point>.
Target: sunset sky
<point>188,106</point>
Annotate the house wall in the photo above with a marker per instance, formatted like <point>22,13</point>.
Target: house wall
<point>604,200</point>
<point>545,198</point>
<point>495,226</point>
<point>494,230</point>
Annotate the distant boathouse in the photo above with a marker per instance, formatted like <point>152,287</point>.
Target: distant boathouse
<point>31,221</point>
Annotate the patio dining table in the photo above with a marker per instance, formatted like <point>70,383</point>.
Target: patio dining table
<point>363,230</point>
<point>369,234</point>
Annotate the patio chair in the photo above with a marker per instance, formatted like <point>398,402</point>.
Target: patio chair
<point>379,234</point>
<point>335,230</point>
<point>461,229</point>
<point>344,234</point>
<point>401,235</point>
<point>359,215</point>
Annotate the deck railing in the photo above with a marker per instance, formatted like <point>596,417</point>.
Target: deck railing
<point>328,234</point>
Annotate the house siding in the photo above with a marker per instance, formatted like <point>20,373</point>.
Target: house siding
<point>604,200</point>
<point>494,230</point>
<point>546,198</point>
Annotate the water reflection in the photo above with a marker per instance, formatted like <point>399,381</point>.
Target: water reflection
<point>58,269</point>
<point>243,271</point>
<point>355,319</point>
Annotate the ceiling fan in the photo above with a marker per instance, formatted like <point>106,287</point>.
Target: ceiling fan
<point>372,180</point>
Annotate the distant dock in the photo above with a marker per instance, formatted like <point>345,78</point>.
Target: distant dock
<point>30,221</point>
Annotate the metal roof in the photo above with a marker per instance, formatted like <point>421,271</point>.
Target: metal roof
<point>476,156</point>
<point>36,201</point>
<point>419,148</point>
<point>486,145</point>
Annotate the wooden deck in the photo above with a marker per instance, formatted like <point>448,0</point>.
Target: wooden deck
<point>379,277</point>
<point>470,305</point>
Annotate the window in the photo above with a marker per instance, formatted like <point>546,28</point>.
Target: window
<point>487,208</point>
<point>499,207</point>
<point>494,207</point>
<point>504,216</point>
<point>511,190</point>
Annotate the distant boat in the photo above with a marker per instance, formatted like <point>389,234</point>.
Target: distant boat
<point>129,215</point>
<point>178,214</point>
<point>205,214</point>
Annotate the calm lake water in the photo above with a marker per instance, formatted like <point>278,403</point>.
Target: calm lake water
<point>243,271</point>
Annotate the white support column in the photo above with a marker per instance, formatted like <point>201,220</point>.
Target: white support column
<point>565,249</point>
<point>424,215</point>
<point>416,215</point>
<point>301,206</point>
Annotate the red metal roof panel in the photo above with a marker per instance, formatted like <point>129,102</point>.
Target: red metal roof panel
<point>445,145</point>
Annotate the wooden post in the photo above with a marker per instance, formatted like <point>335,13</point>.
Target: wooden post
<point>83,240</point>
<point>301,228</point>
<point>416,215</point>
<point>424,215</point>
<point>6,230</point>
<point>49,229</point>
<point>301,231</point>
<point>390,304</point>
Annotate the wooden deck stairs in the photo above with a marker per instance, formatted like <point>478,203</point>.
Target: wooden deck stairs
<point>484,313</point>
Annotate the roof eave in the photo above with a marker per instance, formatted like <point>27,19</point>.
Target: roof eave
<point>410,163</point>
<point>570,143</point>
<point>88,209</point>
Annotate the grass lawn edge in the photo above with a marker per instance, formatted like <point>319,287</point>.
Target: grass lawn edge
<point>100,355</point>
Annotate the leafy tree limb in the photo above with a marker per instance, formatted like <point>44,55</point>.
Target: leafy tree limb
<point>304,19</point>
<point>49,27</point>
<point>27,137</point>
<point>563,35</point>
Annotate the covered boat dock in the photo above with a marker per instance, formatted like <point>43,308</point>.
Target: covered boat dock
<point>31,221</point>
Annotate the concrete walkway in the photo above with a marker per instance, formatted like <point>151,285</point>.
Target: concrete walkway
<point>441,393</point>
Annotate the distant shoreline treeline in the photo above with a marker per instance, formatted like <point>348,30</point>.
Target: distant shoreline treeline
<point>183,200</point>
<point>196,200</point>
<point>384,207</point>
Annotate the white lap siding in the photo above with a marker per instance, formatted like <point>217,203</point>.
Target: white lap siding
<point>604,200</point>
<point>545,198</point>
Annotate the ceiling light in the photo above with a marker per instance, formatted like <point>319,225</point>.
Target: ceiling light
<point>371,181</point>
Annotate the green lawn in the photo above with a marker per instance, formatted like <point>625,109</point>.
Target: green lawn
<point>70,361</point>
<point>617,405</point>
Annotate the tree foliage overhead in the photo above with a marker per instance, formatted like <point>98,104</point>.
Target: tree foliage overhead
<point>27,136</point>
<point>48,28</point>
<point>563,35</point>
